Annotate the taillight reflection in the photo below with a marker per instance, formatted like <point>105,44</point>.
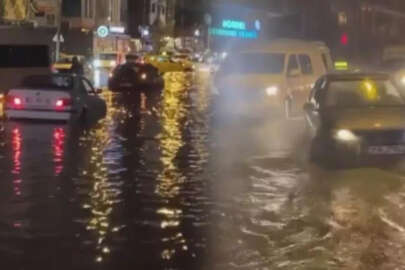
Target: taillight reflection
<point>58,145</point>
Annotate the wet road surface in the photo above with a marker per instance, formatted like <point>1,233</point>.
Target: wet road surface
<point>161,184</point>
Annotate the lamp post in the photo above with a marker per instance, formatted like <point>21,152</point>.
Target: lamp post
<point>59,27</point>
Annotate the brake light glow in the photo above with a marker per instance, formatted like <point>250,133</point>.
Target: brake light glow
<point>17,101</point>
<point>13,102</point>
<point>63,102</point>
<point>59,103</point>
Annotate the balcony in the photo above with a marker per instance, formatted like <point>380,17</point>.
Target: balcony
<point>75,22</point>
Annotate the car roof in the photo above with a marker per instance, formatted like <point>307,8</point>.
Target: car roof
<point>356,76</point>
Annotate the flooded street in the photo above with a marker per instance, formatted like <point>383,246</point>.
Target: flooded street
<point>161,183</point>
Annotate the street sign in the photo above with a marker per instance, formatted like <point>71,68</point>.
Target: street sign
<point>55,38</point>
<point>103,31</point>
<point>117,29</point>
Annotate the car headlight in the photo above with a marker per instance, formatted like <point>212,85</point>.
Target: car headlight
<point>97,63</point>
<point>345,135</point>
<point>272,91</point>
<point>403,80</point>
<point>144,76</point>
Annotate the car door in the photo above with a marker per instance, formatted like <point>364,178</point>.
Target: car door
<point>312,112</point>
<point>293,78</point>
<point>308,77</point>
<point>92,102</point>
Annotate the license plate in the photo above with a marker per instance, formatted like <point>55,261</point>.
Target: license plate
<point>38,101</point>
<point>387,150</point>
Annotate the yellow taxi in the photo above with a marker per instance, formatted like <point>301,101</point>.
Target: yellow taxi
<point>165,63</point>
<point>65,62</point>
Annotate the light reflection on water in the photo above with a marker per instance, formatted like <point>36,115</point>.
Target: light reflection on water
<point>104,191</point>
<point>171,179</point>
<point>58,145</point>
<point>16,171</point>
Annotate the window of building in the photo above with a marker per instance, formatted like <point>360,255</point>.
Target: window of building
<point>342,18</point>
<point>306,64</point>
<point>88,8</point>
<point>153,7</point>
<point>162,10</point>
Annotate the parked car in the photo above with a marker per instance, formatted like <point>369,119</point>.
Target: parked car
<point>279,74</point>
<point>135,76</point>
<point>54,97</point>
<point>354,118</point>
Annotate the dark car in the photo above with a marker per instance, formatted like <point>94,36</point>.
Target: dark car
<point>135,76</point>
<point>355,119</point>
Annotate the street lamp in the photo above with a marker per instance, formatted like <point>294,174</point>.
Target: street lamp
<point>145,32</point>
<point>197,32</point>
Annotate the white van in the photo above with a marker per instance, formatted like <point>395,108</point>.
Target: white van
<point>281,72</point>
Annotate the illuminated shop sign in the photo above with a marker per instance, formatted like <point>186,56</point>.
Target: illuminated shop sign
<point>233,33</point>
<point>235,29</point>
<point>239,25</point>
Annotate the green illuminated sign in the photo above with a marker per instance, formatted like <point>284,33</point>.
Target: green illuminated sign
<point>230,24</point>
<point>244,34</point>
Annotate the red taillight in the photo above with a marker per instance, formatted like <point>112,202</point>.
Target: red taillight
<point>13,101</point>
<point>17,101</point>
<point>63,102</point>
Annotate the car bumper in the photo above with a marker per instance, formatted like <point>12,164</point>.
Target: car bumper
<point>38,115</point>
<point>361,152</point>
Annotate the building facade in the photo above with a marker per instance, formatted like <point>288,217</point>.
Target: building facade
<point>81,19</point>
<point>158,15</point>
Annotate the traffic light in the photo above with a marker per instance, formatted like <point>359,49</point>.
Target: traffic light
<point>344,39</point>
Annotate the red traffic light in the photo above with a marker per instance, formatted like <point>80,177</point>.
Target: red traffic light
<point>344,39</point>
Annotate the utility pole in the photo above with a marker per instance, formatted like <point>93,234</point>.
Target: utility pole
<point>59,28</point>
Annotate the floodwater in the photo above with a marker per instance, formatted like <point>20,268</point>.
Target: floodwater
<point>161,184</point>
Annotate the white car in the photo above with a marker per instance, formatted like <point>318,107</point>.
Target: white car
<point>53,97</point>
<point>279,74</point>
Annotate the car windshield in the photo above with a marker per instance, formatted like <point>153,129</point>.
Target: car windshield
<point>254,63</point>
<point>43,82</point>
<point>365,92</point>
<point>127,69</point>
<point>394,63</point>
<point>107,56</point>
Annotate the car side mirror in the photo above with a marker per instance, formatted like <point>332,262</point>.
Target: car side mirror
<point>308,107</point>
<point>294,72</point>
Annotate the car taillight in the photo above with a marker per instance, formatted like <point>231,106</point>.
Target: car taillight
<point>63,102</point>
<point>17,101</point>
<point>13,101</point>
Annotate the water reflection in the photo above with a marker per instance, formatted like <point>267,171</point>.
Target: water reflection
<point>58,145</point>
<point>105,155</point>
<point>16,142</point>
<point>171,179</point>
